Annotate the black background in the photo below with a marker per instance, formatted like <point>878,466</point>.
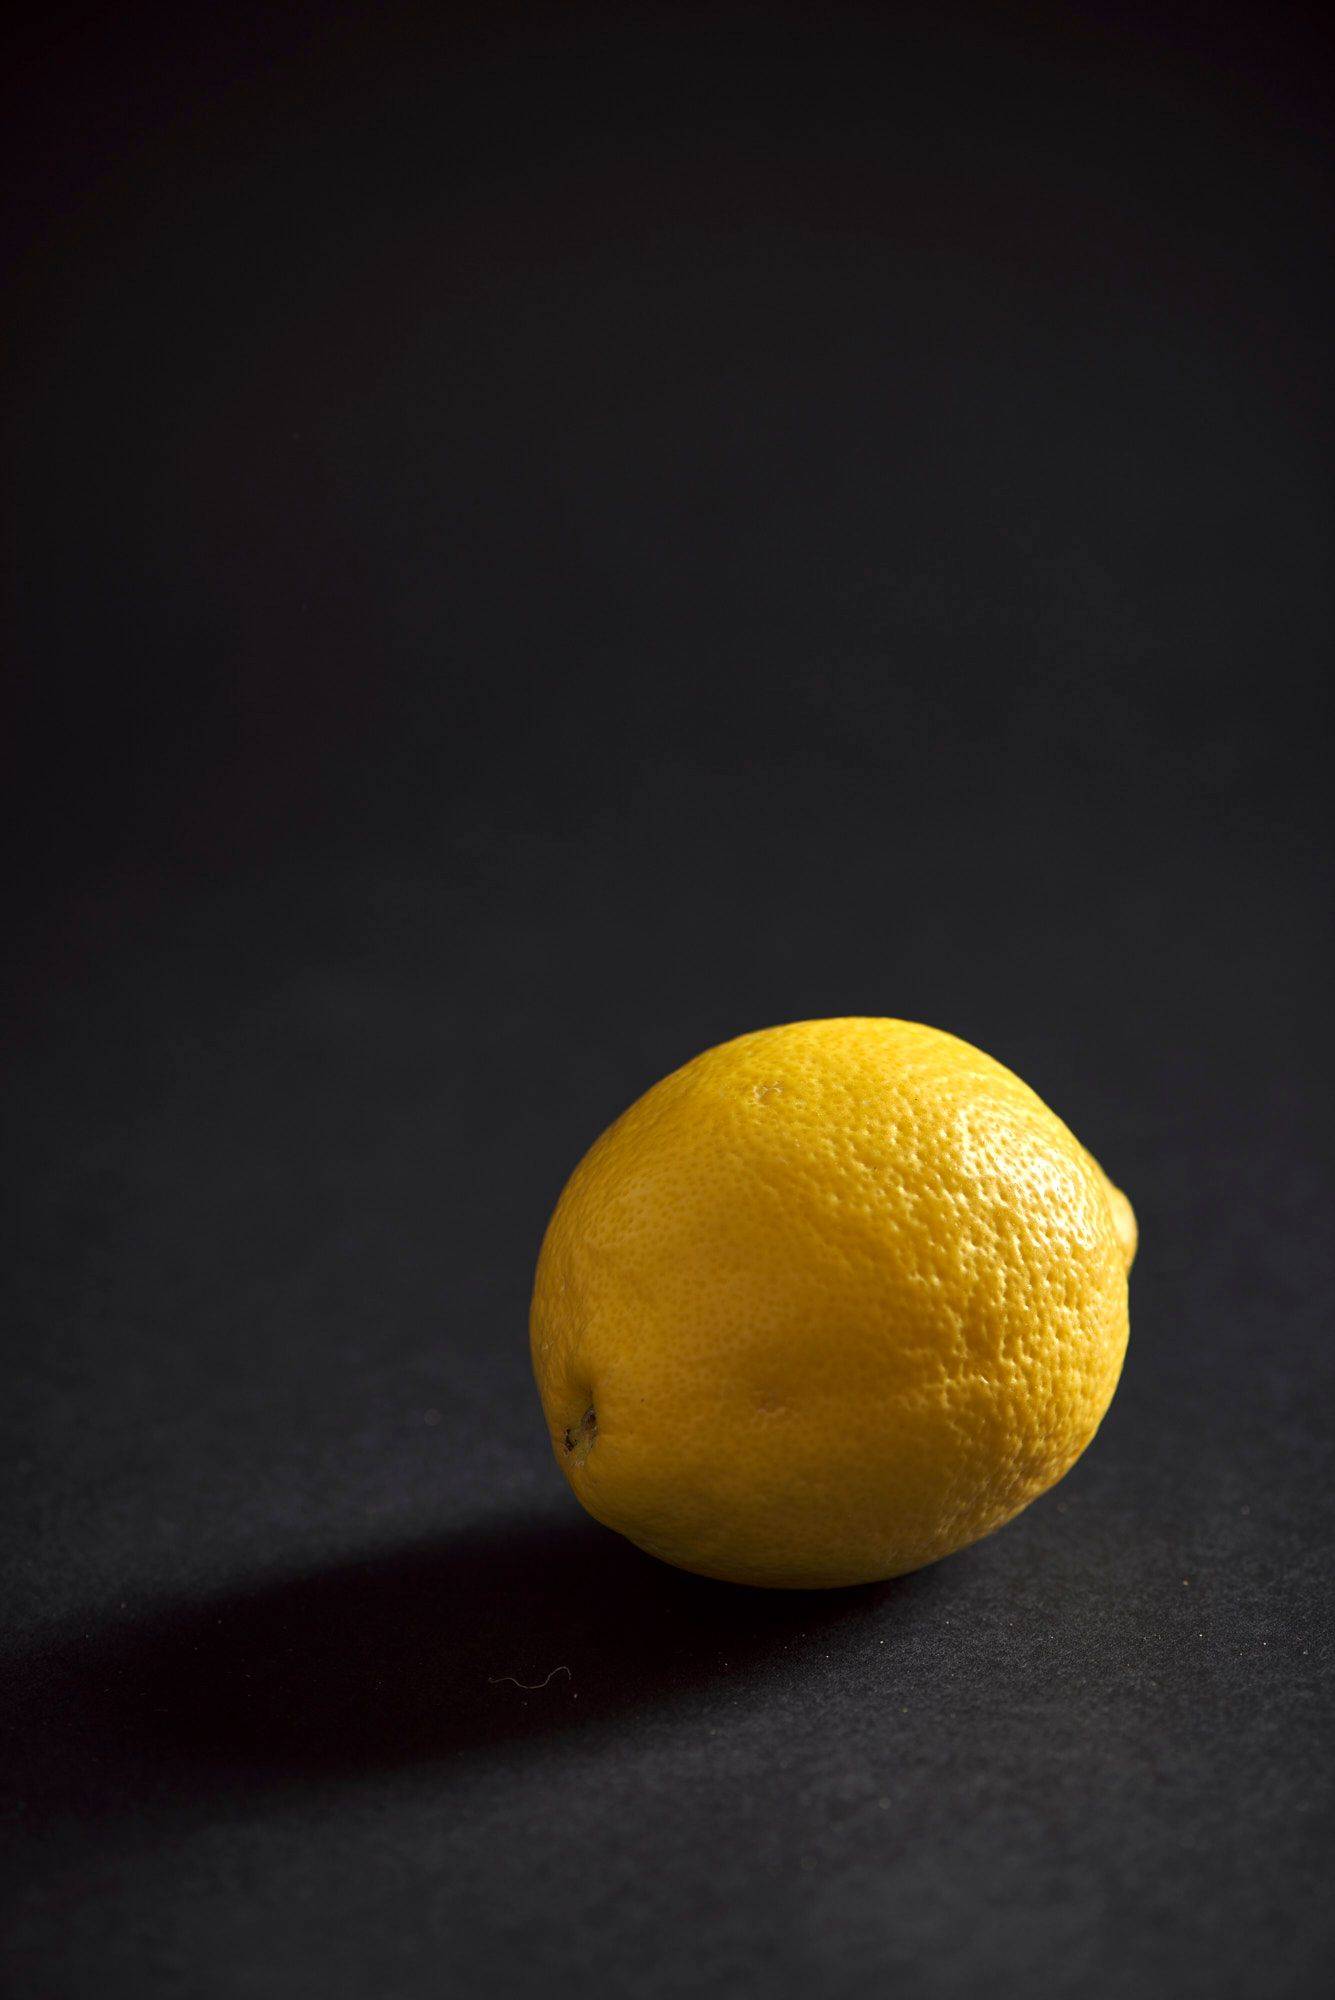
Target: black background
<point>541,541</point>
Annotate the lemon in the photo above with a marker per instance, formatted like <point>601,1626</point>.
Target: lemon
<point>827,1303</point>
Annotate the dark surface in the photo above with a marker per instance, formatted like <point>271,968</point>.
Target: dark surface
<point>541,545</point>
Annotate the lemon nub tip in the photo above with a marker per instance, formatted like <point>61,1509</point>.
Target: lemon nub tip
<point>1124,1222</point>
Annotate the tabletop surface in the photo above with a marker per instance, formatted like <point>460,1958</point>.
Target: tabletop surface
<point>545,543</point>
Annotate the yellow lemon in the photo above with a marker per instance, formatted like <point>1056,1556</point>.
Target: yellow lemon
<point>827,1303</point>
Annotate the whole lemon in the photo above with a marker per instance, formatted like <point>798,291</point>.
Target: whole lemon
<point>827,1303</point>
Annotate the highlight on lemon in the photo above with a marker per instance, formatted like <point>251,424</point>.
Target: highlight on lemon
<point>829,1302</point>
